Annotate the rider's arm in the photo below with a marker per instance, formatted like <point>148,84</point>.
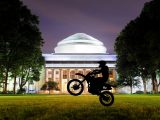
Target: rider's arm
<point>96,71</point>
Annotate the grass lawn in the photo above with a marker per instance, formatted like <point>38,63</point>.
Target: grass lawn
<point>84,107</point>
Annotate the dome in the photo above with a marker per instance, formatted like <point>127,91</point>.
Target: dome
<point>80,43</point>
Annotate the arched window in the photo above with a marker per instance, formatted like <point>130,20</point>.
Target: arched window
<point>72,74</point>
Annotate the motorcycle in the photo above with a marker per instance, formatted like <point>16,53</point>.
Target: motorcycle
<point>75,87</point>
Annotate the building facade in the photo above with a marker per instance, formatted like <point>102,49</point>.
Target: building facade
<point>78,53</point>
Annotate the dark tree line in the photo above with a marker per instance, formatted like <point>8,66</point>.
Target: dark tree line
<point>20,44</point>
<point>138,46</point>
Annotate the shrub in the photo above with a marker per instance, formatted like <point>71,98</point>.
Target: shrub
<point>139,92</point>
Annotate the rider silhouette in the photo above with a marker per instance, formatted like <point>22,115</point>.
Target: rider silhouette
<point>104,70</point>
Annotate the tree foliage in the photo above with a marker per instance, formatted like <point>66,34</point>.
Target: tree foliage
<point>127,72</point>
<point>20,39</point>
<point>139,41</point>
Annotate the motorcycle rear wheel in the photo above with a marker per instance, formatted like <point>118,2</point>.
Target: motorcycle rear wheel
<point>106,98</point>
<point>75,87</point>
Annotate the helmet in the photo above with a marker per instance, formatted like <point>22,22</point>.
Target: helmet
<point>102,63</point>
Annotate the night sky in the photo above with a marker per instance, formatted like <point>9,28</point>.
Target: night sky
<point>102,19</point>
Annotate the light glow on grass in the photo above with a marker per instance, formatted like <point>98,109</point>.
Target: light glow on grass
<point>84,107</point>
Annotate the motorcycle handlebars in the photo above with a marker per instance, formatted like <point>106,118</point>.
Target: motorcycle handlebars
<point>89,74</point>
<point>80,74</point>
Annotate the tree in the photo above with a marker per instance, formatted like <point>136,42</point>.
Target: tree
<point>1,79</point>
<point>151,15</point>
<point>130,48</point>
<point>127,72</point>
<point>140,38</point>
<point>20,38</point>
<point>30,72</point>
<point>158,76</point>
<point>50,85</point>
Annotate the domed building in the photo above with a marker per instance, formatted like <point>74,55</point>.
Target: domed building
<point>80,43</point>
<point>76,53</point>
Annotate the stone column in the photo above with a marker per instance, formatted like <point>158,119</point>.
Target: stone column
<point>53,74</point>
<point>60,81</point>
<point>76,70</point>
<point>68,75</point>
<point>85,83</point>
<point>45,76</point>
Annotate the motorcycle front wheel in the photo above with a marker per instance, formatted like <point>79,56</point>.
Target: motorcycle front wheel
<point>106,98</point>
<point>75,87</point>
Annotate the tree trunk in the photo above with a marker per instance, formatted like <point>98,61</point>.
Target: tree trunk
<point>131,89</point>
<point>131,84</point>
<point>14,85</point>
<point>3,85</point>
<point>20,85</point>
<point>154,83</point>
<point>28,87</point>
<point>144,84</point>
<point>5,82</point>
<point>49,91</point>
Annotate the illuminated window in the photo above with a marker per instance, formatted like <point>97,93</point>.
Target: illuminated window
<point>57,80</point>
<point>57,72</point>
<point>64,74</point>
<point>49,71</point>
<point>111,74</point>
<point>49,74</point>
<point>72,74</point>
<point>99,75</point>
